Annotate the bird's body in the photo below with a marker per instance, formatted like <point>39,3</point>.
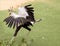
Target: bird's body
<point>24,18</point>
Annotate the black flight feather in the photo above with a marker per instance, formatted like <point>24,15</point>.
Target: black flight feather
<point>30,11</point>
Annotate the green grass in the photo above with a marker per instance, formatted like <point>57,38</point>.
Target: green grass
<point>44,33</point>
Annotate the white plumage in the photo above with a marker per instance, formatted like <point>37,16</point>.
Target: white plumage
<point>14,15</point>
<point>22,12</point>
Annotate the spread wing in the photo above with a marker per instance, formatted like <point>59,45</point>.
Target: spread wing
<point>30,11</point>
<point>15,22</point>
<point>27,11</point>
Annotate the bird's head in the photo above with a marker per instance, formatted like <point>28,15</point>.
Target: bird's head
<point>10,10</point>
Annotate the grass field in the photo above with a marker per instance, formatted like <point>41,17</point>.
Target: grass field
<point>44,33</point>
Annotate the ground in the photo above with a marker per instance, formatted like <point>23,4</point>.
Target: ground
<point>44,33</point>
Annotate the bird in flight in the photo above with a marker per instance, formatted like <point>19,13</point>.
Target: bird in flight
<point>24,18</point>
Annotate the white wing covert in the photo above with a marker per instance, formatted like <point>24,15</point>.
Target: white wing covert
<point>22,12</point>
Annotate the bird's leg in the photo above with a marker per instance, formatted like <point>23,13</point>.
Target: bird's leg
<point>15,34</point>
<point>26,27</point>
<point>11,41</point>
<point>24,38</point>
<point>17,29</point>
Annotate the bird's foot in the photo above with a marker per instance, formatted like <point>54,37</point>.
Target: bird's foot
<point>11,41</point>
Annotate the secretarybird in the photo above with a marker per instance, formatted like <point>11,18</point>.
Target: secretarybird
<point>24,18</point>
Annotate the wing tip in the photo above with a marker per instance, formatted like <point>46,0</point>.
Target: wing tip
<point>28,5</point>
